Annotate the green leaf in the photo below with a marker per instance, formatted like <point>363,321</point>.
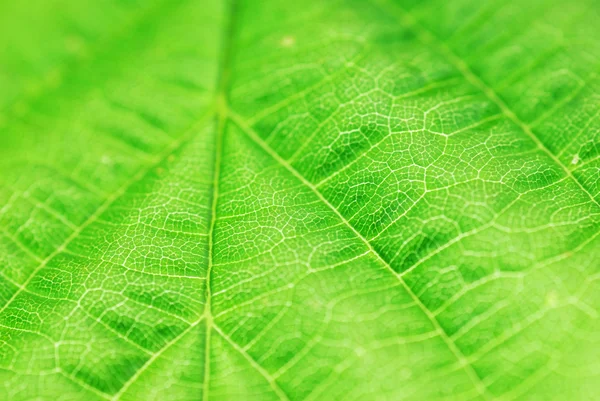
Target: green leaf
<point>299,200</point>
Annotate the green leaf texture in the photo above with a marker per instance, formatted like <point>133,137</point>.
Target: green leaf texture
<point>299,200</point>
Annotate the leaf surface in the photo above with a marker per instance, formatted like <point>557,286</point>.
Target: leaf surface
<point>379,200</point>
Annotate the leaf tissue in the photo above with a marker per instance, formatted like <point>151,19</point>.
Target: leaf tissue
<point>379,200</point>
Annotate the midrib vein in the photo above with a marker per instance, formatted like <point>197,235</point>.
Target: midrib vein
<point>222,119</point>
<point>463,362</point>
<point>221,116</point>
<point>428,38</point>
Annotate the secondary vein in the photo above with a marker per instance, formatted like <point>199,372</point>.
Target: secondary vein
<point>428,38</point>
<point>453,348</point>
<point>171,149</point>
